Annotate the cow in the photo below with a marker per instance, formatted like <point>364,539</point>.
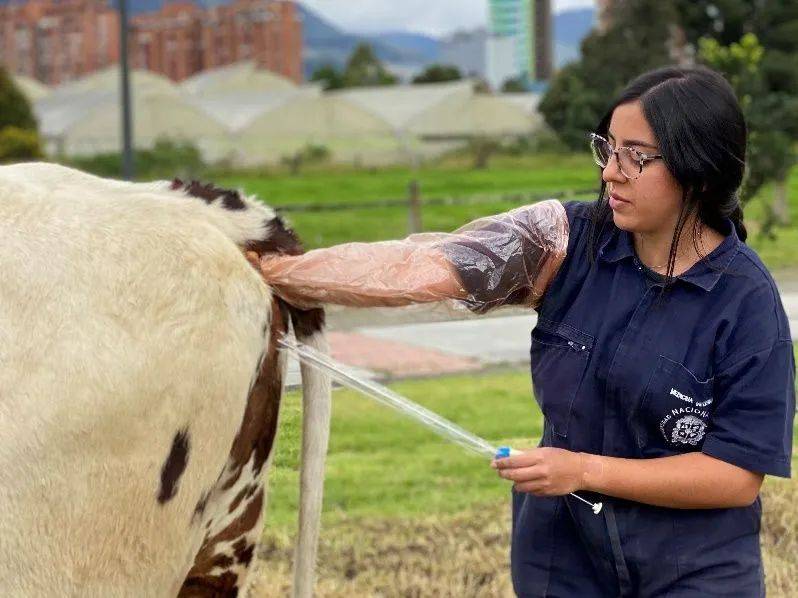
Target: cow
<point>140,385</point>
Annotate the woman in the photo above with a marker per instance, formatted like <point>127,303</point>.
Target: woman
<point>662,358</point>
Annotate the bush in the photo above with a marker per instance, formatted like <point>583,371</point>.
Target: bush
<point>19,144</point>
<point>166,160</point>
<point>542,141</point>
<point>15,110</point>
<point>309,154</point>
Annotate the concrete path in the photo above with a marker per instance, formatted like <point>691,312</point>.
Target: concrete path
<point>387,344</point>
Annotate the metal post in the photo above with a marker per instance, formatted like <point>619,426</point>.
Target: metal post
<point>414,205</point>
<point>128,167</point>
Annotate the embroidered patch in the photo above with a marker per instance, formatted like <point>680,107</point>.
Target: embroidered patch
<point>688,430</point>
<point>680,395</point>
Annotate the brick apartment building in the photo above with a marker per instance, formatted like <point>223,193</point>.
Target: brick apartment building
<point>55,41</point>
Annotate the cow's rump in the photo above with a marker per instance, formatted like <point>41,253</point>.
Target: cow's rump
<point>133,338</point>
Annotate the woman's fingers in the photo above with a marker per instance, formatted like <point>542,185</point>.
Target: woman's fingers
<point>524,474</point>
<point>524,459</point>
<point>544,471</point>
<point>536,488</point>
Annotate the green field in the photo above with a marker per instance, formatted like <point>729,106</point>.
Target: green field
<point>383,464</point>
<point>486,190</point>
<point>537,175</point>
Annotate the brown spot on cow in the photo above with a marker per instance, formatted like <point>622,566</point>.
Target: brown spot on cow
<point>218,586</point>
<point>237,500</point>
<point>281,239</point>
<point>243,552</point>
<point>199,510</point>
<point>199,577</point>
<point>174,466</point>
<point>231,199</point>
<point>256,435</point>
<point>307,322</point>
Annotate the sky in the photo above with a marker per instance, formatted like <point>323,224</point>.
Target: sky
<point>433,17</point>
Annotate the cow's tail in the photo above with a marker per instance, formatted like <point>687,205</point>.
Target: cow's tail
<point>316,408</point>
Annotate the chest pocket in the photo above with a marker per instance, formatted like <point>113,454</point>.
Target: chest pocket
<point>559,356</point>
<point>675,411</point>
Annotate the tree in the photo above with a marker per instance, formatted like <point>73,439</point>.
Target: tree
<point>768,90</point>
<point>19,139</point>
<point>514,85</point>
<point>482,148</point>
<point>365,69</point>
<point>638,40</point>
<point>309,154</point>
<point>329,76</point>
<point>772,118</point>
<point>15,111</point>
<point>438,73</point>
<point>19,144</point>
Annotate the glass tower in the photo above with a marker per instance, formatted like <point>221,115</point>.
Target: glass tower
<point>514,19</point>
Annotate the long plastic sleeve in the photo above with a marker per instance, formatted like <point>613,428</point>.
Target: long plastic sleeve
<point>505,259</point>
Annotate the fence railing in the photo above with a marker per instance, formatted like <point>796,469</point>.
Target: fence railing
<point>415,202</point>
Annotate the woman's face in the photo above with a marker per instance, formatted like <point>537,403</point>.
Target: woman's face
<point>652,202</point>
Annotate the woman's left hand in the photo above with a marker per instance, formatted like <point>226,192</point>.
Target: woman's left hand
<point>543,471</point>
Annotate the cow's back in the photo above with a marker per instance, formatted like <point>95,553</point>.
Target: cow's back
<point>131,331</point>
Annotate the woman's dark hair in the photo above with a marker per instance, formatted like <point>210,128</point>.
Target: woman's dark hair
<point>701,134</point>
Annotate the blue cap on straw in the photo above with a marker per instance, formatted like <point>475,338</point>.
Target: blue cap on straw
<point>502,452</point>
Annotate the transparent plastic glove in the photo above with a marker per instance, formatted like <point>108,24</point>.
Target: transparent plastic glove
<point>499,260</point>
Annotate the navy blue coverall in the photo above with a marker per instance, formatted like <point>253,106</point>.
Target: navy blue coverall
<point>617,372</point>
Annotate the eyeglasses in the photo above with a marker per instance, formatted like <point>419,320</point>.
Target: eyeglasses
<point>630,160</point>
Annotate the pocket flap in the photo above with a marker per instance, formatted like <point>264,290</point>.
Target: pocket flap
<point>567,332</point>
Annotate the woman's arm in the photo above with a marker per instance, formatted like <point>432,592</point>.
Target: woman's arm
<point>493,261</point>
<point>689,481</point>
<point>385,274</point>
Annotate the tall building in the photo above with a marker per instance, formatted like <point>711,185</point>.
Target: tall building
<point>542,26</point>
<point>56,41</point>
<point>466,51</point>
<point>183,39</point>
<point>520,40</point>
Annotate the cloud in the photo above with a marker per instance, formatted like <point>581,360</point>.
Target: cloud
<point>433,17</point>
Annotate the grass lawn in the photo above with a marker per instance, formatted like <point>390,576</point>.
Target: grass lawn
<point>539,175</point>
<point>382,464</point>
<point>783,251</point>
<point>540,172</point>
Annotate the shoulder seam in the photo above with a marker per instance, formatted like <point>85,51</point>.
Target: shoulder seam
<point>774,295</point>
<point>750,354</point>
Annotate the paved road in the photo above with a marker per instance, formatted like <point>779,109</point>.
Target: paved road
<point>420,342</point>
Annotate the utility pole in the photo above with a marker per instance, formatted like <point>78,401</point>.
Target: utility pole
<point>128,167</point>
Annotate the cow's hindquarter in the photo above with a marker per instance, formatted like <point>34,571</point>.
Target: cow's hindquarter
<point>231,512</point>
<point>127,363</point>
<point>219,570</point>
<point>140,385</point>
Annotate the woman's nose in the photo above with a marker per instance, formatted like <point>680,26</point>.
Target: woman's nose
<point>612,171</point>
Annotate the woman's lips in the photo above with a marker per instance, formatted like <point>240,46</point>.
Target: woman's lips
<point>616,201</point>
